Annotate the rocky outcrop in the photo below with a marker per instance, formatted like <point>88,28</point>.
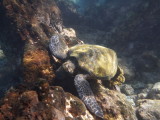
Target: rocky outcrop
<point>35,22</point>
<point>115,105</point>
<point>154,93</point>
<point>148,109</point>
<point>51,102</point>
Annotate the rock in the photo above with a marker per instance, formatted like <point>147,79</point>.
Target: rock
<point>70,32</point>
<point>148,109</point>
<point>52,102</point>
<point>132,99</point>
<point>142,96</point>
<point>114,103</point>
<point>31,105</point>
<point>34,22</point>
<point>36,63</point>
<point>155,92</point>
<point>127,89</point>
<point>70,37</point>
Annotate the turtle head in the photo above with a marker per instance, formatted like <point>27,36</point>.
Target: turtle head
<point>66,68</point>
<point>58,46</point>
<point>69,67</point>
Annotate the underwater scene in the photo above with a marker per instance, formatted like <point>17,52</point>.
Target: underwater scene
<point>79,60</point>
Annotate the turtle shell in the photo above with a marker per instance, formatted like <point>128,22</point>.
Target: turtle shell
<point>98,61</point>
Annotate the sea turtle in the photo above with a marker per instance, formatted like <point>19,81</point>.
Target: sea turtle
<point>85,61</point>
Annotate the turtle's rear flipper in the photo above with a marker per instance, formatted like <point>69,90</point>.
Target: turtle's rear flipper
<point>58,47</point>
<point>86,94</point>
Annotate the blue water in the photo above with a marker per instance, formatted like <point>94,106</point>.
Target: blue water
<point>83,5</point>
<point>130,27</point>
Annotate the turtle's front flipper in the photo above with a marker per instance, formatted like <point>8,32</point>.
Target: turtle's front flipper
<point>58,47</point>
<point>86,94</point>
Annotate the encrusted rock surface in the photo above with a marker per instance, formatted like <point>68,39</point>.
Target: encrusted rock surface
<point>35,22</point>
<point>127,89</point>
<point>115,105</point>
<point>46,102</point>
<point>148,109</point>
<point>154,93</point>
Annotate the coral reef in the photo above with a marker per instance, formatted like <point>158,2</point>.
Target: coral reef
<point>129,27</point>
<point>36,65</point>
<point>35,22</point>
<point>148,109</point>
<point>47,102</point>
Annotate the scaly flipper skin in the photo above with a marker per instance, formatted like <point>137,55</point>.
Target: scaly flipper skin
<point>86,94</point>
<point>58,47</point>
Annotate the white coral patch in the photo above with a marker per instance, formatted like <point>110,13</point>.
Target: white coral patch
<point>70,32</point>
<point>86,116</point>
<point>52,95</point>
<point>68,106</point>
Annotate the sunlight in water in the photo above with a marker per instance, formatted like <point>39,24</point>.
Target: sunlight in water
<point>86,4</point>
